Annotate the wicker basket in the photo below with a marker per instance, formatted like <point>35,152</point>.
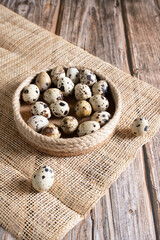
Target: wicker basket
<point>68,146</point>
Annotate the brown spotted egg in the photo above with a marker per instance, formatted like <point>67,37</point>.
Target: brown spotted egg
<point>43,81</point>
<point>56,73</point>
<point>82,91</point>
<point>87,127</point>
<point>100,87</point>
<point>30,94</point>
<point>99,102</point>
<point>51,130</point>
<point>37,122</point>
<point>88,77</point>
<point>41,108</point>
<point>102,117</point>
<point>65,85</point>
<point>52,95</point>
<point>140,126</point>
<point>60,108</point>
<point>69,124</point>
<point>43,179</point>
<point>83,108</point>
<point>73,74</point>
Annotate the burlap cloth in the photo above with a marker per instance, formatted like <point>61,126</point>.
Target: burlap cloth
<point>80,181</point>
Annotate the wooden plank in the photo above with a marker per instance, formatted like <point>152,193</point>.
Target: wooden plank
<point>4,235</point>
<point>44,13</point>
<point>143,19</point>
<point>98,27</point>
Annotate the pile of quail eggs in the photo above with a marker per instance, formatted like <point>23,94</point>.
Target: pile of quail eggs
<point>54,88</point>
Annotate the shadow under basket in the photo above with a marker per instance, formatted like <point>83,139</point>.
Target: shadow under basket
<point>70,146</point>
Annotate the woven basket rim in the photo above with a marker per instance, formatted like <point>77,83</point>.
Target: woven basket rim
<point>66,141</point>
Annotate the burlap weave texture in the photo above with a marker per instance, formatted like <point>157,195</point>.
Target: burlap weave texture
<point>26,49</point>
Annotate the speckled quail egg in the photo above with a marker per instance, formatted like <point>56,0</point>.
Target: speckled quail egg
<point>82,91</point>
<point>37,122</point>
<point>43,81</point>
<point>83,108</point>
<point>51,130</point>
<point>43,179</point>
<point>87,127</point>
<point>56,73</point>
<point>88,77</point>
<point>60,108</point>
<point>73,74</point>
<point>99,102</point>
<point>30,94</point>
<point>102,117</point>
<point>41,108</point>
<point>140,126</point>
<point>65,85</point>
<point>100,87</point>
<point>69,124</point>
<point>52,95</point>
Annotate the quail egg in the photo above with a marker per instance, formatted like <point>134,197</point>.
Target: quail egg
<point>73,74</point>
<point>100,87</point>
<point>41,108</point>
<point>51,130</point>
<point>102,117</point>
<point>69,124</point>
<point>83,108</point>
<point>65,85</point>
<point>43,179</point>
<point>60,108</point>
<point>56,73</point>
<point>99,102</point>
<point>88,77</point>
<point>30,94</point>
<point>52,95</point>
<point>37,122</point>
<point>140,126</point>
<point>43,81</point>
<point>87,127</point>
<point>82,91</point>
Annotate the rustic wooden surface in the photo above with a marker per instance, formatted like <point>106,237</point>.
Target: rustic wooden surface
<point>126,34</point>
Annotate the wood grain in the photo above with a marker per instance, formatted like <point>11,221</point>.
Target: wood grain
<point>44,12</point>
<point>145,59</point>
<point>120,34</point>
<point>97,26</point>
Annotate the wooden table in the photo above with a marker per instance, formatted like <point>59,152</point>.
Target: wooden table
<point>125,33</point>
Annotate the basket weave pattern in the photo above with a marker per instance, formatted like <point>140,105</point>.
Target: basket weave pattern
<point>80,181</point>
<point>70,146</point>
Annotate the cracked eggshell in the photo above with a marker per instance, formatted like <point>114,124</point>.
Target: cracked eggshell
<point>60,108</point>
<point>30,93</point>
<point>56,73</point>
<point>52,95</point>
<point>100,87</point>
<point>73,74</point>
<point>65,85</point>
<point>43,179</point>
<point>41,108</point>
<point>88,77</point>
<point>51,130</point>
<point>99,102</point>
<point>69,124</point>
<point>37,122</point>
<point>87,127</point>
<point>140,126</point>
<point>83,108</point>
<point>102,117</point>
<point>82,91</point>
<point>43,81</point>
